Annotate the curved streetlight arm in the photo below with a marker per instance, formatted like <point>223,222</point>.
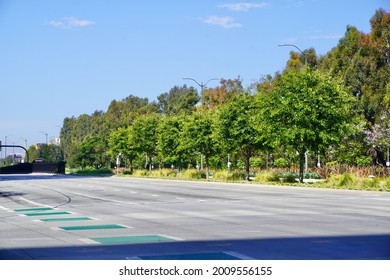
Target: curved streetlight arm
<point>214,79</point>
<point>201,84</point>
<point>46,136</point>
<point>291,45</point>
<point>194,81</point>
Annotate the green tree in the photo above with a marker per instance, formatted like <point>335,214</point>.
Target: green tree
<point>50,153</point>
<point>198,135</point>
<point>93,153</point>
<point>170,144</point>
<point>306,111</point>
<point>179,99</point>
<point>363,61</point>
<point>120,144</point>
<point>144,136</point>
<point>239,129</point>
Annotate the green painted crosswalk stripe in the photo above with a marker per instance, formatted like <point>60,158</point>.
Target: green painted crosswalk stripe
<point>92,227</point>
<point>47,214</point>
<point>131,239</point>
<point>33,209</point>
<point>66,219</point>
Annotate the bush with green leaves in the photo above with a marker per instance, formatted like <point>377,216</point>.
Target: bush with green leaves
<point>281,163</point>
<point>266,177</point>
<point>363,161</point>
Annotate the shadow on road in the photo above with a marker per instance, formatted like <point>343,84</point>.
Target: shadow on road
<point>367,247</point>
<point>37,176</point>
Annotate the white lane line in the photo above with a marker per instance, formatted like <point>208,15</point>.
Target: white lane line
<point>32,202</point>
<point>6,209</point>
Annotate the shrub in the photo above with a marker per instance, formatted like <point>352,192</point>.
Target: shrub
<point>236,176</point>
<point>281,163</point>
<point>142,173</point>
<point>266,177</point>
<point>346,179</point>
<point>363,161</point>
<point>192,174</point>
<point>386,185</point>
<point>371,184</point>
<point>95,172</point>
<point>257,162</point>
<point>127,172</point>
<point>290,178</point>
<point>166,173</point>
<point>220,176</point>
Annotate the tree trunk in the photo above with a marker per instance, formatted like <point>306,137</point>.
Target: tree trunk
<point>247,166</point>
<point>179,161</point>
<point>150,163</point>
<point>207,167</point>
<point>301,164</point>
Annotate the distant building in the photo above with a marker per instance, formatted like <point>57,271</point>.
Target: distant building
<point>55,141</point>
<point>15,157</point>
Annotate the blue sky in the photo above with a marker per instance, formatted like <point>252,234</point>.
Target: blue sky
<point>64,58</point>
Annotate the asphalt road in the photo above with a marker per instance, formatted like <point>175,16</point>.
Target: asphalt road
<point>66,217</point>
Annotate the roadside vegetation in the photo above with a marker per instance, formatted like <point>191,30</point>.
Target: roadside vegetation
<point>327,116</point>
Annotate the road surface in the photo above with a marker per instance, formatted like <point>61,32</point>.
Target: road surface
<point>68,217</point>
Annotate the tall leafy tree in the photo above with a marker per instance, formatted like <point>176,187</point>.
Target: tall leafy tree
<point>214,97</point>
<point>170,144</point>
<point>178,100</point>
<point>93,153</point>
<point>363,61</point>
<point>239,129</point>
<point>198,135</point>
<point>120,144</point>
<point>144,136</point>
<point>306,111</point>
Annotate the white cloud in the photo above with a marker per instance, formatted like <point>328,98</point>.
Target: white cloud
<point>71,22</point>
<point>326,36</point>
<point>243,7</point>
<point>225,22</point>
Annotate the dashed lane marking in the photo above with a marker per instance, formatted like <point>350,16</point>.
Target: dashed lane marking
<point>33,209</point>
<point>66,219</point>
<point>47,214</point>
<point>93,227</point>
<point>132,239</point>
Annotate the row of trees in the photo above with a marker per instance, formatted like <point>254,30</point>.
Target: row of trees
<point>336,107</point>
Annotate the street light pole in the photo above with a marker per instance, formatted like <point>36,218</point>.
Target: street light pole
<point>46,136</point>
<point>25,145</point>
<point>202,85</point>
<point>302,52</point>
<point>5,149</point>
